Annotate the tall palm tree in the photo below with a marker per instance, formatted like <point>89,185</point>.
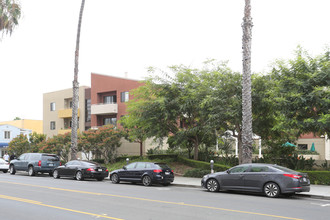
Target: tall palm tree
<point>75,98</point>
<point>246,151</point>
<point>10,12</point>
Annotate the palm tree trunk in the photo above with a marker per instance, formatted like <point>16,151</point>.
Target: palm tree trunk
<point>75,99</point>
<point>246,84</point>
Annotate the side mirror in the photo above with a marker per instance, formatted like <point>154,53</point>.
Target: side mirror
<point>228,171</point>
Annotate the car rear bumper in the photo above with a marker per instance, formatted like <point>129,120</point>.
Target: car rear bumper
<point>296,189</point>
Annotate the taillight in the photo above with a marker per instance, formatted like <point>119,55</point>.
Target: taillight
<point>293,176</point>
<point>39,163</point>
<point>90,169</point>
<point>60,163</point>
<point>157,171</point>
<point>106,170</point>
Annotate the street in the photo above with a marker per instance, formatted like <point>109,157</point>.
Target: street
<point>25,197</point>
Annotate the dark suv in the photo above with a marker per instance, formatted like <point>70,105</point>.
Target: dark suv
<point>35,163</point>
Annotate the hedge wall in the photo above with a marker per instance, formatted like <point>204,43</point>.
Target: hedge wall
<point>319,177</point>
<point>202,165</point>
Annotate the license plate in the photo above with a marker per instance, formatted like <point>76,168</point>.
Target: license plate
<point>51,164</point>
<point>167,173</point>
<point>99,170</point>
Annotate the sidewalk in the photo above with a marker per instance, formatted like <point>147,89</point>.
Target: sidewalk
<point>317,191</point>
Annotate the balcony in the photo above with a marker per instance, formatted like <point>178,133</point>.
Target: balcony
<point>64,131</point>
<point>104,109</point>
<point>66,113</point>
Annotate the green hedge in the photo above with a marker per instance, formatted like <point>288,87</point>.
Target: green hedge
<point>319,177</point>
<point>203,165</point>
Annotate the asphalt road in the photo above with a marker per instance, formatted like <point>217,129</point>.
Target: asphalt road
<point>42,197</point>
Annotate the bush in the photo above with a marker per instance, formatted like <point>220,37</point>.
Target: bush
<point>197,172</point>
<point>203,165</point>
<point>319,177</point>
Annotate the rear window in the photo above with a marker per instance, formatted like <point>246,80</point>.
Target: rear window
<point>284,169</point>
<point>50,157</point>
<point>89,163</point>
<point>162,165</point>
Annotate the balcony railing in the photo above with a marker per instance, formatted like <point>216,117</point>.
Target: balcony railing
<point>66,113</point>
<point>104,109</point>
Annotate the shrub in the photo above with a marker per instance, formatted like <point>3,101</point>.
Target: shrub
<point>203,165</point>
<point>319,177</point>
<point>196,172</point>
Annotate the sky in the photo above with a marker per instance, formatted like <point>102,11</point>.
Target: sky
<point>124,37</point>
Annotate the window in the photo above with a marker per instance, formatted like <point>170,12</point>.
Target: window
<point>131,166</point>
<point>7,134</point>
<point>140,166</point>
<point>124,96</point>
<point>88,110</point>
<point>52,125</point>
<point>239,169</point>
<point>109,121</point>
<point>109,99</point>
<point>52,106</point>
<point>302,146</point>
<point>259,169</point>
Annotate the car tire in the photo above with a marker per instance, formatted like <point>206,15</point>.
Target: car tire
<point>12,170</point>
<point>31,171</point>
<point>56,175</point>
<point>212,185</point>
<point>115,178</point>
<point>100,178</point>
<point>272,190</point>
<point>146,180</point>
<point>79,176</point>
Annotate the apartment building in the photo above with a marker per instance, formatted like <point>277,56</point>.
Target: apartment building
<point>108,98</point>
<point>57,111</point>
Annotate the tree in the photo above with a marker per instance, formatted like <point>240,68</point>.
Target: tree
<point>302,92</point>
<point>59,145</point>
<point>10,13</point>
<point>19,145</point>
<point>246,151</point>
<point>135,131</point>
<point>75,98</point>
<point>35,141</point>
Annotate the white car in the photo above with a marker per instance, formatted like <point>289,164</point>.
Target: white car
<point>4,165</point>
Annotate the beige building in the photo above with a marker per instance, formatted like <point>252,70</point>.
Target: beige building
<point>57,111</point>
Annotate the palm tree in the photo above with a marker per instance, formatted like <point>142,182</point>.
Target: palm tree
<point>10,12</point>
<point>246,151</point>
<point>75,98</point>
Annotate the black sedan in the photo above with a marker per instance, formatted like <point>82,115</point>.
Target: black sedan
<point>270,179</point>
<point>145,172</point>
<point>80,170</point>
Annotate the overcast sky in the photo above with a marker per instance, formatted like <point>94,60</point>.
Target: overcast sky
<point>127,36</point>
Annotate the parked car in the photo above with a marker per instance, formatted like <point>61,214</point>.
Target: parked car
<point>4,165</point>
<point>145,172</point>
<point>79,170</point>
<point>271,179</point>
<point>34,163</point>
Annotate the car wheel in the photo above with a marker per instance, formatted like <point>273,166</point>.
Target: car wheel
<point>100,178</point>
<point>272,190</point>
<point>115,178</point>
<point>56,175</point>
<point>79,176</point>
<point>146,180</point>
<point>31,171</point>
<point>12,170</point>
<point>212,185</point>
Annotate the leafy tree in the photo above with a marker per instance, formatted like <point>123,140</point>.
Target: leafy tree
<point>134,129</point>
<point>109,140</point>
<point>19,145</point>
<point>87,143</point>
<point>302,92</point>
<point>59,145</point>
<point>35,140</point>
<point>10,13</point>
<point>75,89</point>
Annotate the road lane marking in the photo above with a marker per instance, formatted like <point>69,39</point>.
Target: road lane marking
<point>152,200</point>
<point>55,207</point>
